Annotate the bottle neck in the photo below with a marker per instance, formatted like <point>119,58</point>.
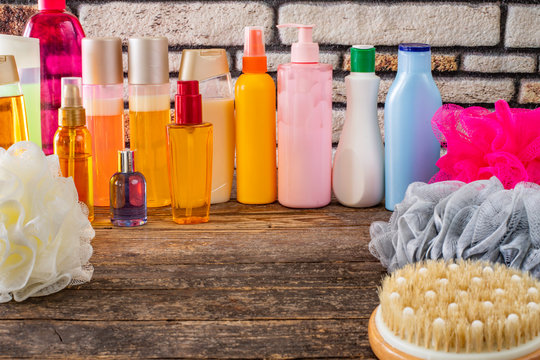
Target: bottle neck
<point>414,62</point>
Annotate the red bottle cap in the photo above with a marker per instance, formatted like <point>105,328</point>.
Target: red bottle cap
<point>254,59</point>
<point>51,4</point>
<point>188,103</point>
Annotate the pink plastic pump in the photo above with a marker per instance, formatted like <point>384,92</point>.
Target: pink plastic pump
<point>305,50</point>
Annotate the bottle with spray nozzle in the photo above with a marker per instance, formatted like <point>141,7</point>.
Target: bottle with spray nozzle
<point>73,143</point>
<point>304,125</point>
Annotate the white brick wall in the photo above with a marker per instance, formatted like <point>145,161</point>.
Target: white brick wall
<point>499,63</point>
<point>523,26</point>
<point>438,24</point>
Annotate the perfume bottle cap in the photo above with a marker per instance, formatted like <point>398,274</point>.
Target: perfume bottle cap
<point>51,5</point>
<point>254,59</point>
<point>188,103</point>
<point>363,58</point>
<point>126,161</point>
<point>148,60</point>
<point>71,113</point>
<point>305,50</point>
<point>8,70</point>
<point>102,61</point>
<point>202,64</point>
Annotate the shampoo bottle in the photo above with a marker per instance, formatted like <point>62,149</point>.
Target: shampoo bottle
<point>211,68</point>
<point>304,125</point>
<point>60,35</point>
<point>190,157</point>
<point>255,98</point>
<point>358,172</point>
<point>13,126</point>
<point>103,100</point>
<point>73,143</point>
<point>26,52</point>
<point>411,148</point>
<point>149,113</point>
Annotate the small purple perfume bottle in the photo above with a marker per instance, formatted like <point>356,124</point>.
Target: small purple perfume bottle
<point>127,192</point>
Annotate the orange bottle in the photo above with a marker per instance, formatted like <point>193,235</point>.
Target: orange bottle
<point>189,155</point>
<point>255,97</point>
<point>103,99</point>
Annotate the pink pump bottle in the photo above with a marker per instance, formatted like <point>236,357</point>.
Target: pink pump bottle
<point>304,125</point>
<point>60,35</point>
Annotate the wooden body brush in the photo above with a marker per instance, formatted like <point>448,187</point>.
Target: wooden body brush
<point>457,311</point>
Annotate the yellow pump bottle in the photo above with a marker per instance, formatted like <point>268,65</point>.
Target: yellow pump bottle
<point>255,96</point>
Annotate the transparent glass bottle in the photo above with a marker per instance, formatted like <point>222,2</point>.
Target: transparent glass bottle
<point>73,143</point>
<point>190,157</point>
<point>127,193</point>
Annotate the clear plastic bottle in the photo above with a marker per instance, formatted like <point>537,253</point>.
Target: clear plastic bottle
<point>149,113</point>
<point>13,126</point>
<point>190,157</point>
<point>60,35</point>
<point>127,193</point>
<point>304,126</point>
<point>358,172</point>
<point>73,143</point>
<point>211,68</point>
<point>255,100</point>
<point>411,148</point>
<point>103,100</point>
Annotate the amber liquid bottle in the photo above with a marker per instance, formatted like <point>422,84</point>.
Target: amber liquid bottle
<point>73,143</point>
<point>189,156</point>
<point>13,126</point>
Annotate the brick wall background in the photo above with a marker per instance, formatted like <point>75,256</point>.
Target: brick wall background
<point>483,50</point>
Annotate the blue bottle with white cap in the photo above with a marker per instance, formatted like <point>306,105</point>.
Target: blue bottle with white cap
<point>411,148</point>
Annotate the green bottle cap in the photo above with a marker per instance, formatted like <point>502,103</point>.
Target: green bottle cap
<point>363,58</point>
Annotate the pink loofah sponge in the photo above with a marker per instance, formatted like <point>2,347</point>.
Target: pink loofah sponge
<point>481,144</point>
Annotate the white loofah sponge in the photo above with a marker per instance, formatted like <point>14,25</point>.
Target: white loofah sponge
<point>44,230</point>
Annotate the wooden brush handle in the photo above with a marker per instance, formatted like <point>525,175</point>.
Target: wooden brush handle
<point>384,351</point>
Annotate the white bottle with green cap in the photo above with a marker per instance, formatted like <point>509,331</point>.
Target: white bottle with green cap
<point>358,172</point>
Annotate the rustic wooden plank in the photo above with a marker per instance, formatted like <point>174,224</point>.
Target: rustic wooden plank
<point>232,216</point>
<point>181,246</point>
<point>197,304</point>
<point>235,276</point>
<point>186,339</point>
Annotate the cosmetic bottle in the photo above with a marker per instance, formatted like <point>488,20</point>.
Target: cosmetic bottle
<point>304,125</point>
<point>358,172</point>
<point>13,126</point>
<point>149,113</point>
<point>103,99</point>
<point>127,193</point>
<point>73,143</point>
<point>255,100</point>
<point>60,35</point>
<point>189,156</point>
<point>26,53</point>
<point>411,148</point>
<point>211,69</point>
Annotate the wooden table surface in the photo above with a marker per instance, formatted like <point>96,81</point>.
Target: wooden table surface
<point>255,282</point>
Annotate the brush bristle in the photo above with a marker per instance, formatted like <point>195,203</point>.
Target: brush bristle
<point>463,307</point>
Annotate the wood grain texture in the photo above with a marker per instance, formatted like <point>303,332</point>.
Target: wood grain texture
<point>255,282</point>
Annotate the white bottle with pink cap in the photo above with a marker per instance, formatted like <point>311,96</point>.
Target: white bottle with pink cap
<point>304,125</point>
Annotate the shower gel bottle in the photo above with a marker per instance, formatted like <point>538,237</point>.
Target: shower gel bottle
<point>255,97</point>
<point>411,148</point>
<point>150,113</point>
<point>103,100</point>
<point>358,173</point>
<point>304,125</point>
<point>60,35</point>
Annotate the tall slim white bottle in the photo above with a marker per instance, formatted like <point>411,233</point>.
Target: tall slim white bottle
<point>358,172</point>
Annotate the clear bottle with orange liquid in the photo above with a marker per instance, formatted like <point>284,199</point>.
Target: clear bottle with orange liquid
<point>255,97</point>
<point>103,100</point>
<point>189,157</point>
<point>149,113</point>
<point>13,125</point>
<point>73,143</point>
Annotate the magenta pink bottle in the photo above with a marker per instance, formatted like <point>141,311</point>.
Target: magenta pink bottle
<point>60,35</point>
<point>304,125</point>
